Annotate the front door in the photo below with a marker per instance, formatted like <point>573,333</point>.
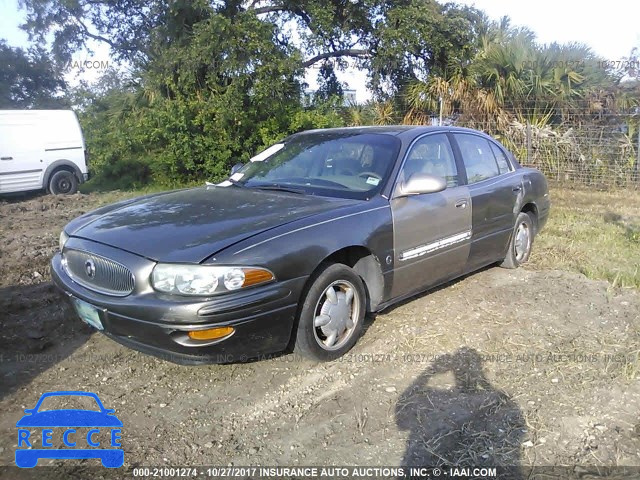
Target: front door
<point>431,232</point>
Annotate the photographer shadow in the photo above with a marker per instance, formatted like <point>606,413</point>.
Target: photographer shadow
<point>467,424</point>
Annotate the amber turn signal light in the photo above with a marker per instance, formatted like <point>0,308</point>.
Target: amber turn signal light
<point>254,276</point>
<point>210,333</point>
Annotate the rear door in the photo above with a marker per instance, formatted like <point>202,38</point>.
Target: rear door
<point>21,165</point>
<point>494,188</point>
<point>431,232</point>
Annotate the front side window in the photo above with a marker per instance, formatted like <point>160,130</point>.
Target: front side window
<point>479,161</point>
<point>349,165</point>
<point>432,155</point>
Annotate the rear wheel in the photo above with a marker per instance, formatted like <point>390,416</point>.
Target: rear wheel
<point>63,182</point>
<point>521,242</point>
<point>332,314</point>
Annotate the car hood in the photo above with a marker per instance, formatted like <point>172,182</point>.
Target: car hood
<point>191,225</point>
<point>69,418</point>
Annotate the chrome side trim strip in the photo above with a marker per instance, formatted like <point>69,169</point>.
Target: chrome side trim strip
<point>433,246</point>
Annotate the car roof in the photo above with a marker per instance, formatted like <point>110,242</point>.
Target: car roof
<point>405,131</point>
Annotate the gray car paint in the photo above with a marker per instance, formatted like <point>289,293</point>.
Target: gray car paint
<point>201,221</point>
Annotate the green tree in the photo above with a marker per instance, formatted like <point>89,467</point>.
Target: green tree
<point>328,84</point>
<point>512,77</point>
<point>28,79</point>
<point>216,81</point>
<point>396,41</point>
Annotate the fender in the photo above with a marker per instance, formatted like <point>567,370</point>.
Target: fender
<point>56,165</point>
<point>292,250</point>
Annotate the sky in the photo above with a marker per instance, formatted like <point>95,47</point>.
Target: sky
<point>611,28</point>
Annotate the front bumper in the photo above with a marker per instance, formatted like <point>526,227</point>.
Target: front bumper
<point>263,319</point>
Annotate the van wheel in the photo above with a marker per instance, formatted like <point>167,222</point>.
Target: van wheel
<point>332,314</point>
<point>63,182</point>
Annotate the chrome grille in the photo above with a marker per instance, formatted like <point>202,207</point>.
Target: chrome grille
<point>98,273</point>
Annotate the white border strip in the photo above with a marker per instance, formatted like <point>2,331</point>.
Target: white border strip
<point>437,245</point>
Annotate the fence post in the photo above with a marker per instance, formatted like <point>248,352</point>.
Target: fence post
<point>528,143</point>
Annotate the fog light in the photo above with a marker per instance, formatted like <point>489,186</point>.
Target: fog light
<point>210,333</point>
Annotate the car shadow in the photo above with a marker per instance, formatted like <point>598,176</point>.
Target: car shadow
<point>18,197</point>
<point>455,417</point>
<point>38,329</point>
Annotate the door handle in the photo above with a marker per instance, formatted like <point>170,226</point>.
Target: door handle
<point>517,188</point>
<point>6,158</point>
<point>461,204</point>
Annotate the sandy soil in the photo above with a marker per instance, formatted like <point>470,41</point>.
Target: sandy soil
<point>502,367</point>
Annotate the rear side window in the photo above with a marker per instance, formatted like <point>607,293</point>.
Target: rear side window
<point>479,161</point>
<point>501,158</point>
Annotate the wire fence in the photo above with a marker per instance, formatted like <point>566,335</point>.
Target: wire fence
<point>603,155</point>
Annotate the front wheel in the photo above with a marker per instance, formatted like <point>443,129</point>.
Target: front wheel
<point>63,182</point>
<point>332,314</point>
<point>521,242</point>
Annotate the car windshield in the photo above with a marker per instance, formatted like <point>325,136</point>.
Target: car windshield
<point>348,165</point>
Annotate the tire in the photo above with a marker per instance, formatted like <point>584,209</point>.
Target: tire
<point>521,242</point>
<point>339,325</point>
<point>63,182</point>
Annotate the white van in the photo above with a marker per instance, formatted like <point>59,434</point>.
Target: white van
<point>41,149</point>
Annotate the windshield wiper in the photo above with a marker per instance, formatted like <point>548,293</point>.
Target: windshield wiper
<point>279,188</point>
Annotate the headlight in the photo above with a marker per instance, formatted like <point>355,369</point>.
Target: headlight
<point>206,279</point>
<point>63,239</point>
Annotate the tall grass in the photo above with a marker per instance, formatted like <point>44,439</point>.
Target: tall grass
<point>593,232</point>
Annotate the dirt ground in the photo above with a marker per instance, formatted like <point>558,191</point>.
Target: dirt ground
<point>524,367</point>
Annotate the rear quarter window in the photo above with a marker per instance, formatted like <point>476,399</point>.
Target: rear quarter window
<point>501,159</point>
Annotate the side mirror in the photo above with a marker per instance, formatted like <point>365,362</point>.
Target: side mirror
<point>422,183</point>
<point>236,167</point>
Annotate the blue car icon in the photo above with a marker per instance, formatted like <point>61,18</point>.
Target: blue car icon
<point>68,419</point>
